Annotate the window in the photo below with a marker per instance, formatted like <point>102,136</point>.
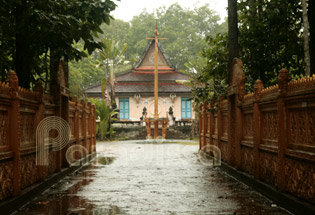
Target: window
<point>124,108</point>
<point>186,108</point>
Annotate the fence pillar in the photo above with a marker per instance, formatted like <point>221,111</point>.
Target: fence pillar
<point>60,92</point>
<point>238,131</point>
<point>205,124</point>
<point>236,92</point>
<point>83,122</point>
<point>89,127</point>
<point>14,130</point>
<point>94,129</point>
<point>283,80</point>
<point>200,126</point>
<point>211,122</point>
<point>76,120</point>
<point>40,115</point>
<point>219,120</point>
<point>258,87</point>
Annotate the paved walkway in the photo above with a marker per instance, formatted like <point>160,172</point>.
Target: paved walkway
<point>137,178</point>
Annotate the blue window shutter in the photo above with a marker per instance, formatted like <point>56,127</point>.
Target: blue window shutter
<point>124,108</point>
<point>186,108</point>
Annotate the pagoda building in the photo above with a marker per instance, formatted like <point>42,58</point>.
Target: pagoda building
<point>134,89</point>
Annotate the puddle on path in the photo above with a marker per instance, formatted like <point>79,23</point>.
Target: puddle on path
<point>133,178</point>
<point>63,198</point>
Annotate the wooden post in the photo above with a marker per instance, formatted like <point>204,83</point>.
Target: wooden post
<point>231,128</point>
<point>156,87</point>
<point>219,121</point>
<point>148,126</point>
<point>239,134</point>
<point>164,126</point>
<point>211,122</point>
<point>89,127</point>
<point>94,129</point>
<point>76,120</point>
<point>14,130</point>
<point>236,94</point>
<point>283,80</point>
<point>208,131</point>
<point>61,94</point>
<point>205,124</point>
<point>202,134</point>
<point>200,126</point>
<point>156,81</point>
<point>83,122</point>
<point>258,87</point>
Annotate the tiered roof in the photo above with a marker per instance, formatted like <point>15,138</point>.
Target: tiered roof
<point>141,78</point>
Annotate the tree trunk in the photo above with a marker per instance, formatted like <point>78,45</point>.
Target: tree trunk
<point>66,61</point>
<point>112,84</point>
<point>252,8</point>
<point>311,17</point>
<point>233,34</point>
<point>306,38</point>
<point>23,56</point>
<point>53,69</point>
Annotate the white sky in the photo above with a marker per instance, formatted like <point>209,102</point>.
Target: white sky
<point>129,8</point>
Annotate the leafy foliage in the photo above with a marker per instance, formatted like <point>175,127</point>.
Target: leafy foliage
<point>210,76</point>
<point>30,29</point>
<point>270,38</point>
<point>106,116</point>
<point>111,57</point>
<point>184,28</point>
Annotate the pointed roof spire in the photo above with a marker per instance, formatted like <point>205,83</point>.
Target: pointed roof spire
<point>156,33</point>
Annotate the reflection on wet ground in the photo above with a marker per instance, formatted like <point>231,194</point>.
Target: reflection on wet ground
<point>138,178</point>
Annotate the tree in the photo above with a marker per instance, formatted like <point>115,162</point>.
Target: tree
<point>105,115</point>
<point>186,30</point>
<point>311,15</point>
<point>30,29</point>
<point>265,52</point>
<point>210,80</point>
<point>233,34</point>
<point>306,27</point>
<point>112,56</point>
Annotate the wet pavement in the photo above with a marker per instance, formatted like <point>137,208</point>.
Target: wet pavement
<point>139,178</point>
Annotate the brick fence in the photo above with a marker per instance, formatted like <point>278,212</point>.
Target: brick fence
<point>21,111</point>
<point>269,133</point>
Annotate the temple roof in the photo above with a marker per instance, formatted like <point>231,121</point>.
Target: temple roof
<point>147,59</point>
<point>131,88</point>
<point>141,78</point>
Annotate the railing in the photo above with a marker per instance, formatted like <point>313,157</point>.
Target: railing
<point>269,134</point>
<point>21,110</point>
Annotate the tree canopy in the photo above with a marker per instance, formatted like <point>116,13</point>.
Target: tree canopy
<point>270,38</point>
<point>186,30</point>
<point>29,30</point>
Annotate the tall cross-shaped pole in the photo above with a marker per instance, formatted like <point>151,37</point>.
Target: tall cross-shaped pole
<point>156,81</point>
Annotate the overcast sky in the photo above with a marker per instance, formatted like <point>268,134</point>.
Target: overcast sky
<point>129,8</point>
